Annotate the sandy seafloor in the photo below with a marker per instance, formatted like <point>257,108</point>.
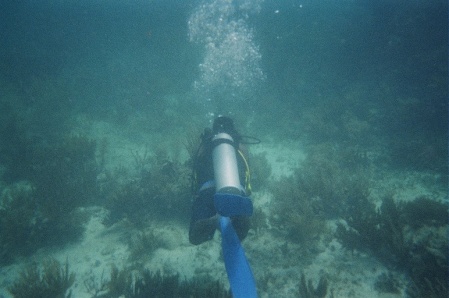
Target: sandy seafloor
<point>277,264</point>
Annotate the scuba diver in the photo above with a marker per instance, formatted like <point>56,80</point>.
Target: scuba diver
<point>220,170</point>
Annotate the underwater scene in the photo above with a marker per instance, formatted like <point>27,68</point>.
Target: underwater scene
<point>341,108</point>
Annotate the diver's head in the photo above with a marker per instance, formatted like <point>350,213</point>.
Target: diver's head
<point>223,124</point>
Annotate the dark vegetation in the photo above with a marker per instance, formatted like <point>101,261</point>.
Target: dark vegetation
<point>143,242</point>
<point>62,177</point>
<point>159,189</point>
<point>15,146</point>
<point>49,280</point>
<point>61,174</point>
<point>335,184</point>
<point>19,232</point>
<point>320,189</point>
<point>297,213</point>
<point>260,171</point>
<point>410,236</point>
<point>307,290</point>
<point>387,283</point>
<point>145,283</point>
<point>47,172</point>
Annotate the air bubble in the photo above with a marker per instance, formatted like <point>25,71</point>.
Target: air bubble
<point>231,63</point>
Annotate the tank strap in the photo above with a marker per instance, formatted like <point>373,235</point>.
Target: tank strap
<point>247,174</point>
<point>219,141</point>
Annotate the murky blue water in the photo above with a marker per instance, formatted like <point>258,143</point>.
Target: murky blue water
<point>262,57</point>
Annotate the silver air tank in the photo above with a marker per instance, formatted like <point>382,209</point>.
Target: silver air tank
<point>226,172</point>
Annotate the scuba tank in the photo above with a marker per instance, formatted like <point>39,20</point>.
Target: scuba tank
<point>230,197</point>
<point>226,172</point>
<point>230,200</point>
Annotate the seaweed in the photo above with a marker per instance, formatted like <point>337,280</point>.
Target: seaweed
<point>121,282</point>
<point>65,178</point>
<point>192,142</point>
<point>143,244</point>
<point>394,248</point>
<point>387,283</point>
<point>96,287</point>
<point>332,176</point>
<point>424,211</point>
<point>427,287</point>
<point>401,236</point>
<point>301,220</point>
<point>325,186</point>
<point>143,161</point>
<point>307,290</point>
<point>25,228</point>
<point>137,284</point>
<point>260,170</point>
<point>15,146</point>
<point>317,190</point>
<point>62,178</point>
<point>259,220</point>
<point>362,229</point>
<point>18,228</point>
<point>52,280</point>
<point>379,231</point>
<point>159,190</point>
<point>428,268</point>
<point>69,167</point>
<point>426,153</point>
